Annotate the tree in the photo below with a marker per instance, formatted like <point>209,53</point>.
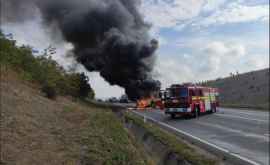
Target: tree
<point>85,87</point>
<point>52,77</point>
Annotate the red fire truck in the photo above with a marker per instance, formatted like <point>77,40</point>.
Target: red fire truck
<point>188,99</point>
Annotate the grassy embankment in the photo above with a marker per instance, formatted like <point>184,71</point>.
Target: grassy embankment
<point>247,90</point>
<point>61,129</point>
<point>37,130</point>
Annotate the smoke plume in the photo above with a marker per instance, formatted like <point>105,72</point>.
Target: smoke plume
<point>109,36</point>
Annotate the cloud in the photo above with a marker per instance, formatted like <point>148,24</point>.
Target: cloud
<point>213,60</point>
<point>170,71</point>
<point>102,88</point>
<point>221,49</point>
<point>178,14</point>
<point>29,32</point>
<point>212,5</point>
<point>216,54</point>
<point>167,14</point>
<point>257,61</point>
<point>236,13</point>
<point>162,41</point>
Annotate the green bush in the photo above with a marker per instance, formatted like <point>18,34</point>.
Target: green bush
<point>44,70</point>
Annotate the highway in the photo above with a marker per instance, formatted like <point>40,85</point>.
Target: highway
<point>243,132</point>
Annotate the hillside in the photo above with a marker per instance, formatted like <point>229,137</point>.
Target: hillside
<point>37,130</point>
<point>247,90</point>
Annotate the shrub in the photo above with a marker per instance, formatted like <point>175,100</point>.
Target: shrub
<point>49,91</point>
<point>45,71</point>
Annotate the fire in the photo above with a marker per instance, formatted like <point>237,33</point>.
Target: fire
<point>144,103</point>
<point>151,102</point>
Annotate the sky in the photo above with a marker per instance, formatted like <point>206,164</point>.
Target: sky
<point>199,40</point>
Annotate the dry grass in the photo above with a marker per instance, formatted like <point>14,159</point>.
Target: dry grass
<point>39,131</point>
<point>247,90</point>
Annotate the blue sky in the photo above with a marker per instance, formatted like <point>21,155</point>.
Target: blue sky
<point>199,39</point>
<point>207,39</point>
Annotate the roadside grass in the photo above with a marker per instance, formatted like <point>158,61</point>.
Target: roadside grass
<point>181,148</point>
<point>246,90</point>
<point>106,141</point>
<point>37,130</point>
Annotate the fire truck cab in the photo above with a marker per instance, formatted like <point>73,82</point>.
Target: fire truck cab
<point>188,99</point>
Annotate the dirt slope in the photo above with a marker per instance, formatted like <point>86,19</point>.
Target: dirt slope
<point>38,131</point>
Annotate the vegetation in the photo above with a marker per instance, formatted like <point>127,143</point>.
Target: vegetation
<point>37,130</point>
<point>54,80</point>
<point>181,148</point>
<point>246,90</point>
<point>108,142</point>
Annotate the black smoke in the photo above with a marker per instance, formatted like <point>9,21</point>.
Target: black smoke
<point>109,36</point>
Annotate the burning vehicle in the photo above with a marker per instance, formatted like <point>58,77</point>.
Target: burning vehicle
<point>154,101</point>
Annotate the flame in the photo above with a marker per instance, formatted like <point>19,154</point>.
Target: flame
<point>150,102</point>
<point>144,103</point>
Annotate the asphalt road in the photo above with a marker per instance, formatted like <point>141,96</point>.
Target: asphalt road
<point>244,132</point>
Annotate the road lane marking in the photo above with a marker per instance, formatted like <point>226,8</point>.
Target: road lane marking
<point>245,134</point>
<point>160,112</point>
<point>199,139</point>
<point>251,113</point>
<point>217,114</point>
<point>245,159</point>
<point>264,137</point>
<point>239,117</point>
<point>254,114</point>
<point>267,134</point>
<point>185,133</point>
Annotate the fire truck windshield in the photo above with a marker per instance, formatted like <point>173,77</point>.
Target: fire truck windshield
<point>179,92</point>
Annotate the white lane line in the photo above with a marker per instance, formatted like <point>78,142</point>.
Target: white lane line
<point>239,117</point>
<point>244,134</point>
<point>185,133</point>
<point>251,113</point>
<point>264,137</point>
<point>199,139</point>
<point>255,114</point>
<point>159,112</point>
<point>245,159</point>
<point>267,135</point>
